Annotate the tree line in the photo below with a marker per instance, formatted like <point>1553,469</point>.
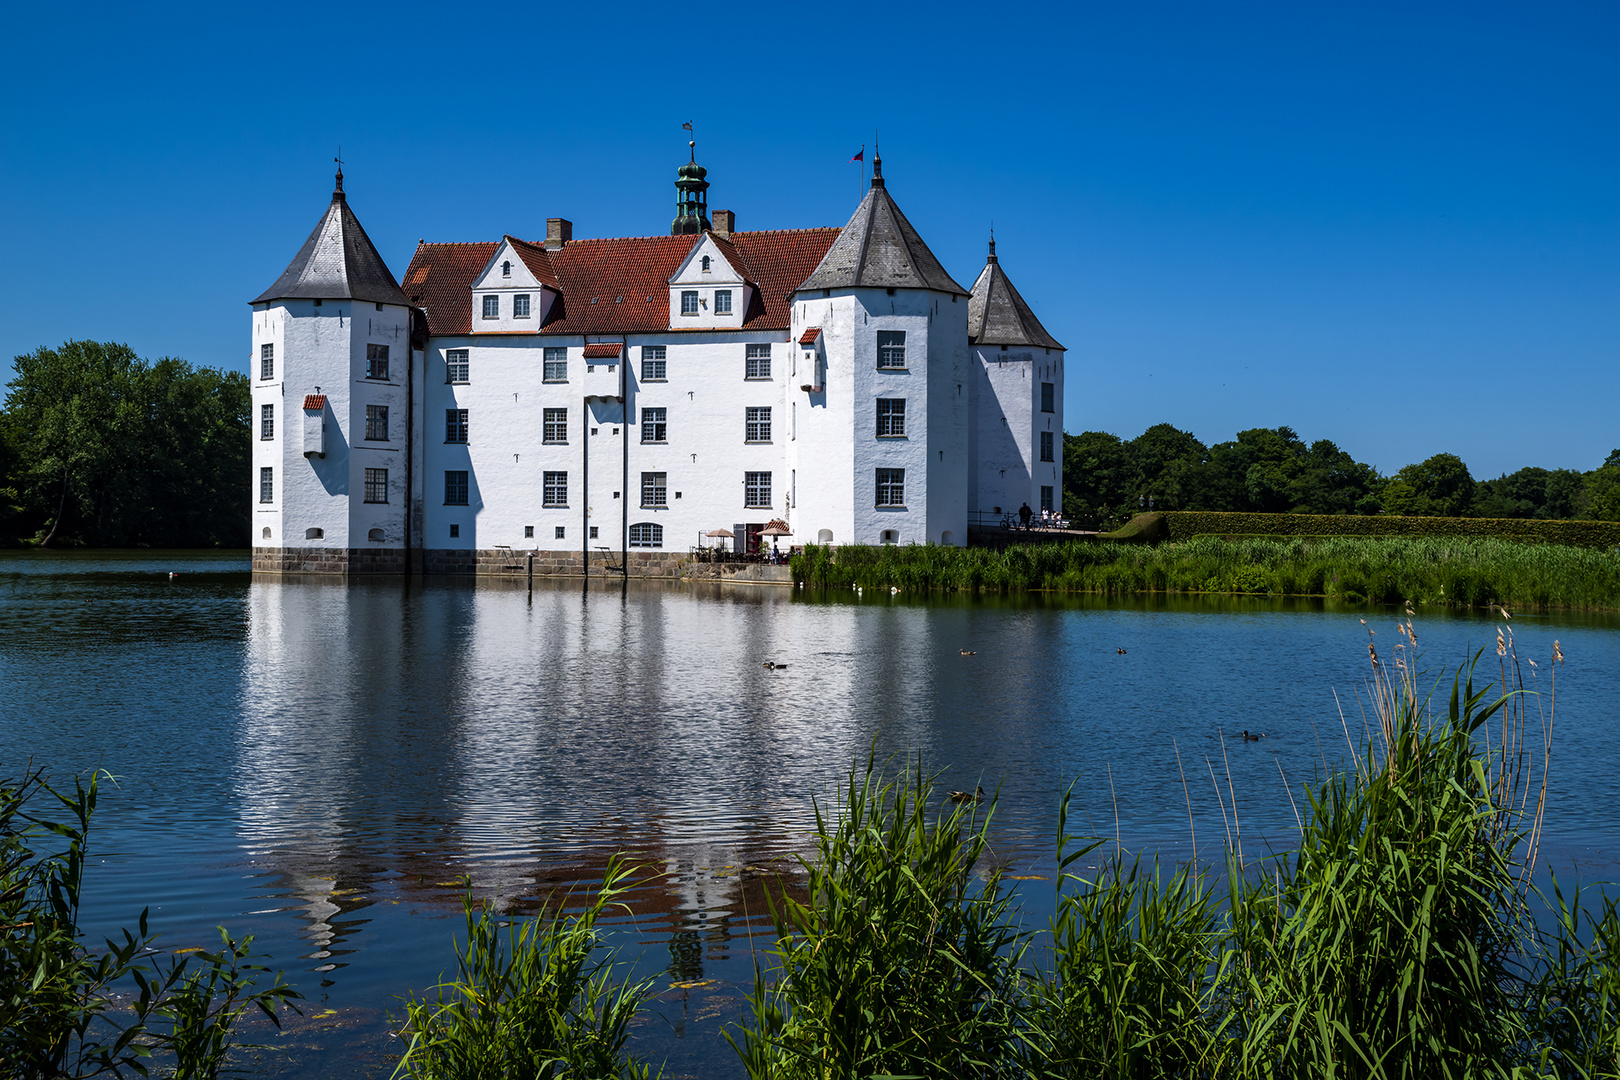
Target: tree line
<point>1107,479</point>
<point>102,448</point>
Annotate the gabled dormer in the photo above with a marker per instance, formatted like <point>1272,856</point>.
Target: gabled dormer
<point>711,288</point>
<point>515,291</point>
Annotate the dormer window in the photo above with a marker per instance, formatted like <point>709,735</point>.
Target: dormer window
<point>705,264</point>
<point>492,307</point>
<point>689,302</point>
<point>506,269</point>
<point>722,302</point>
<point>520,306</point>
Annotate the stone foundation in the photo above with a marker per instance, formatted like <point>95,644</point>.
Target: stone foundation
<point>514,565</point>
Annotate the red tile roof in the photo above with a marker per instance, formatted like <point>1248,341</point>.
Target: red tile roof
<point>602,350</point>
<point>315,402</point>
<point>616,286</point>
<point>534,257</point>
<point>810,335</point>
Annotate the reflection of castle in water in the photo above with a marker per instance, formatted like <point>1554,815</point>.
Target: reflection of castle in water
<point>394,739</point>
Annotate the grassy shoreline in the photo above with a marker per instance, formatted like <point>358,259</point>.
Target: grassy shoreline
<point>1458,571</point>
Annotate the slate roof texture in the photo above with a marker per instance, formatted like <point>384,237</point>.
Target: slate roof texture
<point>337,262</point>
<point>626,277</point>
<point>880,249</point>
<point>997,315</point>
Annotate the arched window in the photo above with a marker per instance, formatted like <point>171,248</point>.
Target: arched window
<point>267,532</point>
<point>945,537</point>
<point>705,264</point>
<point>375,534</point>
<point>824,536</point>
<point>506,269</point>
<point>314,534</point>
<point>646,534</point>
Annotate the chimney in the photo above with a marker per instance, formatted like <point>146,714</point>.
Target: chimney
<point>558,232</point>
<point>725,222</point>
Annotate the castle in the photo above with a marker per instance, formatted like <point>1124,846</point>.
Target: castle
<point>623,401</point>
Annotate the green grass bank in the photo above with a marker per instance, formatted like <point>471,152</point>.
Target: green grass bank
<point>1463,571</point>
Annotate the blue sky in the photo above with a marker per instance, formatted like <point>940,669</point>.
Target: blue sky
<point>1396,226</point>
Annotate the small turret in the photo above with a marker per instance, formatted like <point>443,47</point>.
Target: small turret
<point>692,199</point>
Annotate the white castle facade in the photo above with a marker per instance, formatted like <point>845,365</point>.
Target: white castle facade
<point>614,401</point>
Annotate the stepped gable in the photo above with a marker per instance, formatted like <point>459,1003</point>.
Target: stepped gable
<point>879,249</point>
<point>997,315</point>
<point>627,277</point>
<point>337,262</point>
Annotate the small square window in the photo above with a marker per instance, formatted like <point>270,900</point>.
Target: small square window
<point>267,361</point>
<point>689,302</point>
<point>376,485</point>
<point>455,365</point>
<point>520,306</point>
<point>560,532</point>
<point>492,307</point>
<point>722,301</point>
<point>455,531</point>
<point>376,361</point>
<point>455,487</point>
<point>593,532</point>
<point>758,362</point>
<point>528,532</point>
<point>891,348</point>
<point>1046,396</point>
<point>267,421</point>
<point>556,361</point>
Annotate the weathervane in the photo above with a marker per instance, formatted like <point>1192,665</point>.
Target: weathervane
<point>691,144</point>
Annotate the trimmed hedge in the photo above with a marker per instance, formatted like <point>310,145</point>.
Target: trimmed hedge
<point>1186,524</point>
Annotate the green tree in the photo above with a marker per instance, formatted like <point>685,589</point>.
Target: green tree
<point>1602,490</point>
<point>1167,469</point>
<point>1096,478</point>
<point>113,450</point>
<point>1330,481</point>
<point>1437,487</point>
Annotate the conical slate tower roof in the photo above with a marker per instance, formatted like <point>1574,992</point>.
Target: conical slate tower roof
<point>997,315</point>
<point>879,249</point>
<point>337,262</point>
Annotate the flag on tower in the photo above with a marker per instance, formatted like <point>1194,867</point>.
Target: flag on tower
<point>860,156</point>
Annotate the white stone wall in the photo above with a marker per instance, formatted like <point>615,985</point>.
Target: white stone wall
<point>721,275</point>
<point>822,450</point>
<point>1007,422</point>
<point>505,277</point>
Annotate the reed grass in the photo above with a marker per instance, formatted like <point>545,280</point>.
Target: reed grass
<point>1459,571</point>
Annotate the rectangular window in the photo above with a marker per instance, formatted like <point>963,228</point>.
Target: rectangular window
<point>267,361</point>
<point>593,532</point>
<point>891,487</point>
<point>653,425</point>
<point>377,423</point>
<point>267,421</point>
<point>528,532</point>
<point>652,363</point>
<point>556,365</point>
<point>554,428</point>
<point>267,485</point>
<point>455,531</point>
<point>492,307</point>
<point>1046,497</point>
<point>722,302</point>
<point>520,306</point>
<point>376,485</point>
<point>891,348</point>
<point>455,425</point>
<point>554,489</point>
<point>455,365</point>
<point>1046,446</point>
<point>757,425</point>
<point>891,417</point>
<point>759,362</point>
<point>645,534</point>
<point>455,487</point>
<point>1046,397</point>
<point>376,361</point>
<point>757,489</point>
<point>653,488</point>
<point>689,304</point>
<point>559,532</point>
